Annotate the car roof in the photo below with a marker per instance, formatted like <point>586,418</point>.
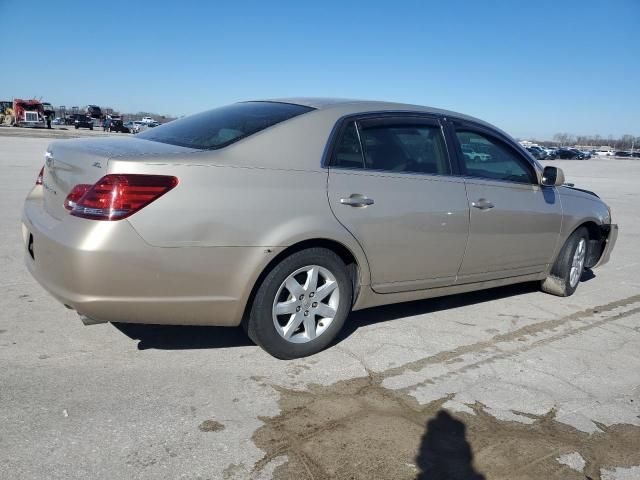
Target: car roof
<point>354,106</point>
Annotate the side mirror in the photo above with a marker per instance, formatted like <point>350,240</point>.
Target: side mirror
<point>552,176</point>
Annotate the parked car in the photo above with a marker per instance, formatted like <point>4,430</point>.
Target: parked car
<point>622,153</point>
<point>147,120</point>
<point>142,126</point>
<point>537,152</point>
<point>70,119</point>
<point>470,152</point>
<point>116,125</point>
<point>570,154</point>
<point>58,121</point>
<point>83,121</point>
<point>94,111</point>
<point>135,126</point>
<point>605,152</point>
<point>552,153</point>
<point>284,216</point>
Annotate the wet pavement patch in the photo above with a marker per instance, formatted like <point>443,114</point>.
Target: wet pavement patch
<point>357,429</point>
<point>360,429</point>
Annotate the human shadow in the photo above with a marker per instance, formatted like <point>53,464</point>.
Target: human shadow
<point>183,337</point>
<point>445,452</point>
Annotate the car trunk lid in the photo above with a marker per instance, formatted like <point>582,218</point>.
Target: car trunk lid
<point>84,161</point>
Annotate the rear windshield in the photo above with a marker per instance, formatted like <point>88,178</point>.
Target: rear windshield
<point>222,126</point>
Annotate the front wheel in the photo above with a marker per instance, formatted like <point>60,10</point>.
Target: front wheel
<point>301,304</point>
<point>565,274</point>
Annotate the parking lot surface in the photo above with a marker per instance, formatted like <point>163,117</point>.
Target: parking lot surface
<point>507,383</point>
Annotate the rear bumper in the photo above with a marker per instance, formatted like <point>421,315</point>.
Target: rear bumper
<point>107,272</point>
<point>610,242</point>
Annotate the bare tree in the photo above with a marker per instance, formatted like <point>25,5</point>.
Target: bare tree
<point>626,141</point>
<point>564,139</point>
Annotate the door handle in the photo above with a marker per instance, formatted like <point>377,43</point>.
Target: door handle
<point>482,204</point>
<point>357,200</point>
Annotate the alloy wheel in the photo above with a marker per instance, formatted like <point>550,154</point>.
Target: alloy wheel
<point>577,263</point>
<point>306,304</point>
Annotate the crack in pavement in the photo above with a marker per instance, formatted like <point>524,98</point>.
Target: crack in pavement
<point>522,347</point>
<point>360,428</point>
<point>528,330</point>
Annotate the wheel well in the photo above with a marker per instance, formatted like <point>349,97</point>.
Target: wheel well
<point>594,230</point>
<point>336,247</point>
<point>595,243</point>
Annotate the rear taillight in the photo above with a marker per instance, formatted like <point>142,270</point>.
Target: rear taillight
<point>117,196</point>
<point>75,194</point>
<point>40,175</point>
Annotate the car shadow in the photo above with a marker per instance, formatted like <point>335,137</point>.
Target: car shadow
<point>587,275</point>
<point>183,337</point>
<point>371,316</point>
<point>444,452</point>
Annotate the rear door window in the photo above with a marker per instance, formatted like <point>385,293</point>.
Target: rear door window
<point>348,153</point>
<point>409,145</point>
<point>223,126</point>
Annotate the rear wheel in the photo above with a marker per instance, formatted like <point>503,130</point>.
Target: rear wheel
<point>301,304</point>
<point>565,274</point>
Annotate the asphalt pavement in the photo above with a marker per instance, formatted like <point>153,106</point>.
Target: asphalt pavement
<point>507,383</point>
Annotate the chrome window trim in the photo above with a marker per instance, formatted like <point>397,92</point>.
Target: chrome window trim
<point>392,174</point>
<point>507,183</point>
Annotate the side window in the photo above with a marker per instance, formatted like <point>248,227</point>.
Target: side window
<point>405,148</point>
<point>486,157</point>
<point>348,153</point>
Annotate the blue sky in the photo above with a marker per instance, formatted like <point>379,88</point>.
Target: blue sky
<point>533,68</point>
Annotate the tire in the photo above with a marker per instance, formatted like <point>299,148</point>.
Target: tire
<point>560,281</point>
<point>77,127</point>
<point>261,323</point>
<point>90,128</point>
